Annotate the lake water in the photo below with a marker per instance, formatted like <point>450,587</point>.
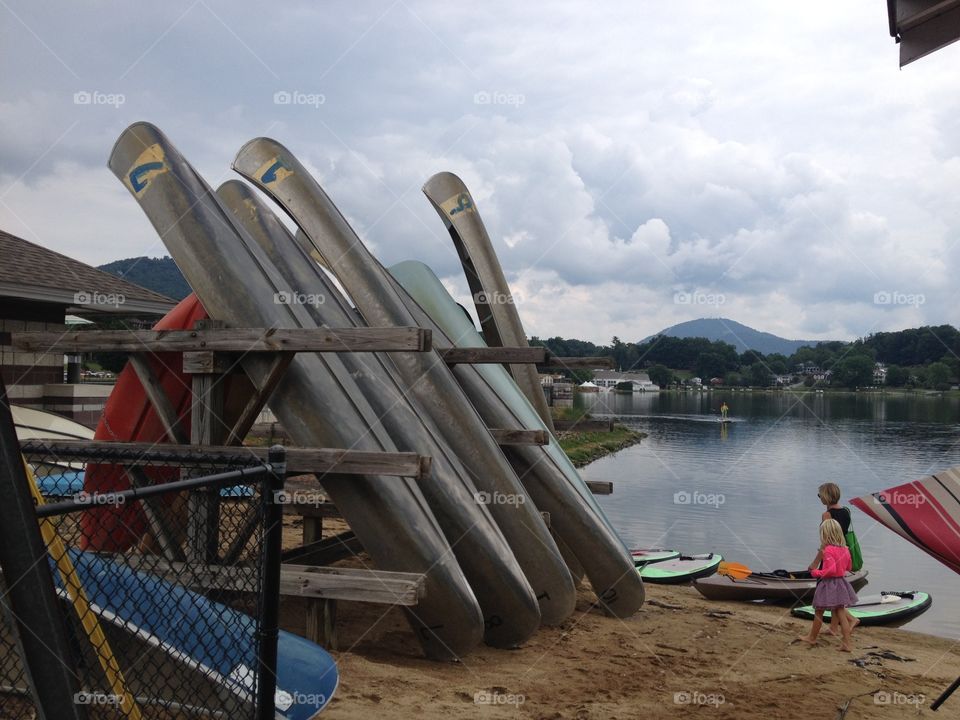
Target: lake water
<point>754,482</point>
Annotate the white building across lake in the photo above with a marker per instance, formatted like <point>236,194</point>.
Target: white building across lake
<point>609,379</point>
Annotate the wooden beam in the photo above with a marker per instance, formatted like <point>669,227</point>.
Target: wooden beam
<point>311,511</point>
<point>600,487</point>
<point>374,586</point>
<point>158,398</point>
<point>206,428</point>
<point>256,403</point>
<point>324,551</point>
<point>500,355</point>
<point>394,339</point>
<point>578,363</point>
<point>300,461</point>
<point>333,583</point>
<point>506,436</point>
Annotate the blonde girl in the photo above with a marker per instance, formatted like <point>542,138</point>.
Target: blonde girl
<point>834,592</point>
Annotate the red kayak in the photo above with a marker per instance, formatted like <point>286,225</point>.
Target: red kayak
<point>129,417</point>
<point>926,512</point>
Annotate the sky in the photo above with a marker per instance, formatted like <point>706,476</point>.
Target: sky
<point>637,164</point>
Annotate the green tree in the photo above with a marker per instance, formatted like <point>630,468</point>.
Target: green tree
<point>710,364</point>
<point>938,376</point>
<point>759,375</point>
<point>897,376</point>
<point>660,375</point>
<point>853,371</point>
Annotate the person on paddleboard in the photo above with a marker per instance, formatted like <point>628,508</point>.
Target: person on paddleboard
<point>834,592</point>
<point>724,409</point>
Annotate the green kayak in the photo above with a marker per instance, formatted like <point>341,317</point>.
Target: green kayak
<point>681,569</point>
<point>887,607</point>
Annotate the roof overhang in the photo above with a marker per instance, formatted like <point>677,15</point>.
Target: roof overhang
<point>923,26</point>
<point>83,303</point>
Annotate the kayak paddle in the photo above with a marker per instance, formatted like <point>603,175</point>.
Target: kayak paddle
<point>737,571</point>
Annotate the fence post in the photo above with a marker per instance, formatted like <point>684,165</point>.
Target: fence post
<point>37,614</point>
<point>270,582</point>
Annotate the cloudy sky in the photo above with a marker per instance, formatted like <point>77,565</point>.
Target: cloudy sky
<point>637,163</point>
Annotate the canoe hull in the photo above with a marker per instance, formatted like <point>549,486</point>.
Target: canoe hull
<point>724,587</point>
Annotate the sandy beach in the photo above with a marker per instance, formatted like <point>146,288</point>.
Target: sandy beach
<point>680,656</point>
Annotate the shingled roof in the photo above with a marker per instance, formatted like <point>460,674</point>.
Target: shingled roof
<point>32,272</point>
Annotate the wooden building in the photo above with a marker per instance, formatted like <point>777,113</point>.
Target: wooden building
<point>38,289</point>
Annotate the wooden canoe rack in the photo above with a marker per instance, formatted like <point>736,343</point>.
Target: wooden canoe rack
<point>210,352</point>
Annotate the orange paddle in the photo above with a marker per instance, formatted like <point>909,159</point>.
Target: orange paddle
<point>735,570</point>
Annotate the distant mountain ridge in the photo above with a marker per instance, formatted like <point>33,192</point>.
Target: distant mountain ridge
<point>737,334</point>
<point>158,274</point>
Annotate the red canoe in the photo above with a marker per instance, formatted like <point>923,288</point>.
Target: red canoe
<point>129,416</point>
<point>926,512</point>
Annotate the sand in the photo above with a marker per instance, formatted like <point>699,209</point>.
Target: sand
<point>680,656</point>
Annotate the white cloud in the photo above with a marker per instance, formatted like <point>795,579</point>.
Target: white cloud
<point>771,153</point>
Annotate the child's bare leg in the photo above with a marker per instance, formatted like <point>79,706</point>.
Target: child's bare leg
<point>846,627</point>
<point>814,628</point>
<point>834,628</point>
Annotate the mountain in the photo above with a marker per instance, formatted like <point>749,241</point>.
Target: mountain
<point>158,274</point>
<point>737,334</point>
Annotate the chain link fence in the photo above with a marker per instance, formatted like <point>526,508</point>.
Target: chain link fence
<point>159,564</point>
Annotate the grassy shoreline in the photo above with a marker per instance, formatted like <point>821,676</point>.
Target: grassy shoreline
<point>584,447</point>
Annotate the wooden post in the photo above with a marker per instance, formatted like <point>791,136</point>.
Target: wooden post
<point>320,620</point>
<point>206,428</point>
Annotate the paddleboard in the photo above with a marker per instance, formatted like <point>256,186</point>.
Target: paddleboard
<point>653,555</point>
<point>682,569</point>
<point>887,607</point>
<point>208,637</point>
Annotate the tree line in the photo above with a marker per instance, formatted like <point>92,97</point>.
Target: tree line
<point>927,356</point>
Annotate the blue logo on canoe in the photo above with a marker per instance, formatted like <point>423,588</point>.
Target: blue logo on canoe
<point>463,203</point>
<point>271,173</point>
<point>140,174</point>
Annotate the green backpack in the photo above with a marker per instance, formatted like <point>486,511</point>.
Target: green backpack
<point>853,545</point>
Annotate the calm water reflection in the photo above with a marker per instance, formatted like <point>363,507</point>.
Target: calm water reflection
<point>752,486</point>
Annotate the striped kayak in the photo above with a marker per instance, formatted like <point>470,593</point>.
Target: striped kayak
<point>681,569</point>
<point>887,607</point>
<point>925,512</point>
